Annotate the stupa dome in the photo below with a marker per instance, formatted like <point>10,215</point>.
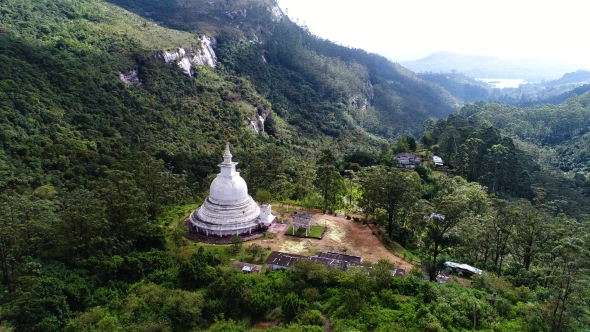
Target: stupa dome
<point>228,189</point>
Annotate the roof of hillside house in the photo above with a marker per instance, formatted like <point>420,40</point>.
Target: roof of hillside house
<point>408,155</point>
<point>330,262</point>
<point>437,215</point>
<point>342,257</point>
<point>464,267</point>
<point>246,267</point>
<point>328,259</point>
<point>282,258</point>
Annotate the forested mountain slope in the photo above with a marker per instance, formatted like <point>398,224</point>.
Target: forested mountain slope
<point>284,61</point>
<point>61,93</point>
<point>545,124</point>
<point>547,140</point>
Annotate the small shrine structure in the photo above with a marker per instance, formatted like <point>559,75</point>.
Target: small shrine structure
<point>303,220</point>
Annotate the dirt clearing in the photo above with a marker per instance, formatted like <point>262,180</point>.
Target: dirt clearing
<point>342,235</point>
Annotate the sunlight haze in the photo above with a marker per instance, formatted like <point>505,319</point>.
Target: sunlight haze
<point>408,30</point>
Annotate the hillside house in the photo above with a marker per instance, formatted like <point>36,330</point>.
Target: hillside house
<point>466,270</point>
<point>408,160</point>
<point>246,267</point>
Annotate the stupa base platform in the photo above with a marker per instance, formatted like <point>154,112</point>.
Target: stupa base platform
<point>216,239</point>
<point>199,237</point>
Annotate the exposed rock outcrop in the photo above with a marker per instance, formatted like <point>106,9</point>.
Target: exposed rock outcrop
<point>235,13</point>
<point>130,78</point>
<point>185,57</point>
<point>256,124</point>
<point>206,55</point>
<point>253,125</point>
<point>277,13</point>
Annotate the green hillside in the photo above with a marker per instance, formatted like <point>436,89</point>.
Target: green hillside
<point>110,136</point>
<point>60,85</point>
<point>380,96</point>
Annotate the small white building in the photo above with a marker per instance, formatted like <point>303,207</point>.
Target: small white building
<point>437,161</point>
<point>408,160</point>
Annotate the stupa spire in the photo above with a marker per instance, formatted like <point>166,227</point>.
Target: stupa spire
<point>227,155</point>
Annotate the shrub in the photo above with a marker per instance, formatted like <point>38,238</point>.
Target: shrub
<point>291,305</point>
<point>311,317</point>
<point>236,244</point>
<point>311,294</point>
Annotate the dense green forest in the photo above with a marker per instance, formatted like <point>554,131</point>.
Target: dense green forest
<point>553,135</point>
<point>97,175</point>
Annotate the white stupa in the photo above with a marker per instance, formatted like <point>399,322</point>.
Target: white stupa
<point>229,210</point>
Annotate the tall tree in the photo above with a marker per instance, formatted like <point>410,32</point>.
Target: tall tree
<point>566,270</point>
<point>26,224</point>
<point>256,175</point>
<point>329,181</point>
<point>530,233</point>
<point>159,184</point>
<point>456,201</point>
<point>469,158</point>
<point>83,228</point>
<point>392,190</point>
<point>126,210</point>
<point>500,227</point>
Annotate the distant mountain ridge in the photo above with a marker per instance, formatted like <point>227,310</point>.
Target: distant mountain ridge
<point>469,90</point>
<point>479,66</point>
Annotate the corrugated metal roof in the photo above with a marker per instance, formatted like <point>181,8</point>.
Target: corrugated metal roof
<point>282,258</point>
<point>464,267</point>
<point>328,259</point>
<point>342,257</point>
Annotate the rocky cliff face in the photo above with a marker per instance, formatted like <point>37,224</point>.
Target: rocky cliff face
<point>186,57</point>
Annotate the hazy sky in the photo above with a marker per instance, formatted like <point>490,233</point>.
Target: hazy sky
<point>412,29</point>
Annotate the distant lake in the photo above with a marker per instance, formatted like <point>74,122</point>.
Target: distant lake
<point>502,83</point>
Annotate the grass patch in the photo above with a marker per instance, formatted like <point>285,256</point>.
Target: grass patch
<point>171,217</point>
<point>396,249</point>
<point>404,253</point>
<point>315,232</point>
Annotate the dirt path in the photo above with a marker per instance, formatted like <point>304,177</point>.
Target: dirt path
<point>342,235</point>
<point>327,324</point>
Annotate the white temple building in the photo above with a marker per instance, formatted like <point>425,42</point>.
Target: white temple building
<point>229,210</point>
